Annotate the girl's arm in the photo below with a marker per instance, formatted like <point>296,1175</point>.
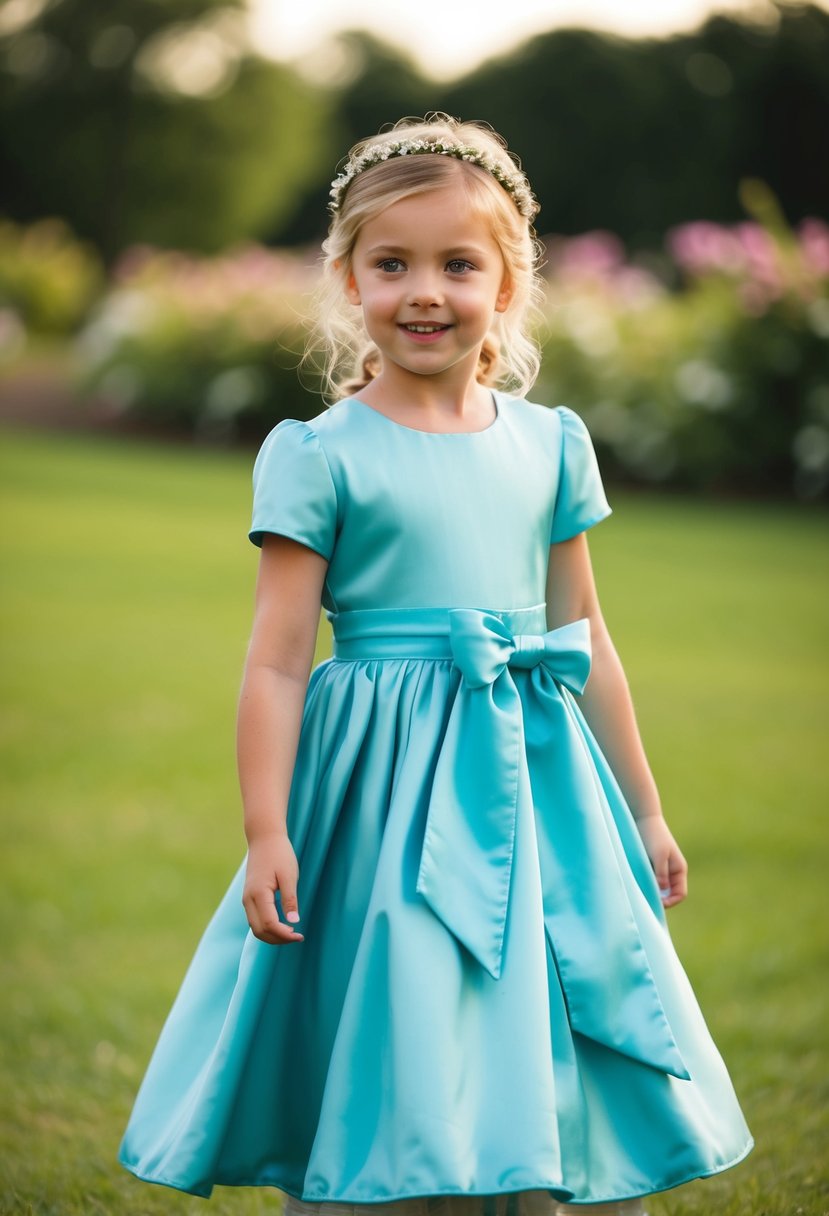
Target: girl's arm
<point>608,708</point>
<point>279,659</point>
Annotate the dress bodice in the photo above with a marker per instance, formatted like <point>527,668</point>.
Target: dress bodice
<point>410,518</point>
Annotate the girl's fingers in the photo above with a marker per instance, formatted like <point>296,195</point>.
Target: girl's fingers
<point>281,936</point>
<point>264,920</point>
<point>676,886</point>
<point>290,906</point>
<point>661,871</point>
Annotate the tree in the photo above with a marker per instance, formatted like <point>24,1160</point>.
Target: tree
<point>381,84</point>
<point>151,120</point>
<point>639,135</point>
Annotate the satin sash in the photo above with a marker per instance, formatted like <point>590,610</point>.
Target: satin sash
<point>482,783</point>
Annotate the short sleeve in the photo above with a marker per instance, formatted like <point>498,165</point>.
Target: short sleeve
<point>293,492</point>
<point>580,499</point>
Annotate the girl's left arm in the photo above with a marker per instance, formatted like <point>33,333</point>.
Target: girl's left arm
<point>608,707</point>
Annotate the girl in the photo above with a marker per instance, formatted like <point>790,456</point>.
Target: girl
<point>452,986</point>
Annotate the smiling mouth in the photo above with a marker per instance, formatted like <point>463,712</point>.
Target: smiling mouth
<point>423,329</point>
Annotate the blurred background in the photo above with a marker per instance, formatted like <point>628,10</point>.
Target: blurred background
<point>166,164</point>
<point>164,168</point>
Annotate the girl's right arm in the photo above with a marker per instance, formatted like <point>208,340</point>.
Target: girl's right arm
<point>279,660</point>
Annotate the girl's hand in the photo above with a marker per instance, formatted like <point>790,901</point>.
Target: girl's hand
<point>669,866</point>
<point>271,867</point>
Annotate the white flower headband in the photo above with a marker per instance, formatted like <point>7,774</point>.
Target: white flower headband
<point>515,184</point>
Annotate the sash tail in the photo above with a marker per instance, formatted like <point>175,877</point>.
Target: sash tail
<point>589,917</point>
<point>482,783</point>
<point>466,862</point>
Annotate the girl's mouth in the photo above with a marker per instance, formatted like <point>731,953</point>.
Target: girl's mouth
<point>424,333</point>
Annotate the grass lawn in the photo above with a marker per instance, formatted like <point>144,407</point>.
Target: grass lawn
<point>126,606</point>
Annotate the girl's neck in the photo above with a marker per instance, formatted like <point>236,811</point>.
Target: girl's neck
<point>429,406</point>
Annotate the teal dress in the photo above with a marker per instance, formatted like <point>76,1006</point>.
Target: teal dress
<point>487,1001</point>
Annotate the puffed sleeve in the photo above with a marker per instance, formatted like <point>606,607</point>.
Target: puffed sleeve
<point>293,492</point>
<point>580,499</point>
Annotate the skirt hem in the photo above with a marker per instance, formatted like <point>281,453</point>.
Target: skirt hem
<point>562,1193</point>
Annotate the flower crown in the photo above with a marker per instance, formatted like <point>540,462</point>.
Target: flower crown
<point>515,184</point>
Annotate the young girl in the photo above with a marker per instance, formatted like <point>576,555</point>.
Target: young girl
<point>442,980</point>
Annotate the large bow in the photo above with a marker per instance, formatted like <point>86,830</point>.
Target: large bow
<point>482,783</point>
<point>466,863</point>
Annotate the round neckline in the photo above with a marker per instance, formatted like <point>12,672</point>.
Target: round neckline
<point>439,434</point>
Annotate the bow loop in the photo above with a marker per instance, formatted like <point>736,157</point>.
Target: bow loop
<point>567,654</point>
<point>483,645</point>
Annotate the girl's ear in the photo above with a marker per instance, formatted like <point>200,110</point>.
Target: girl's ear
<point>351,291</point>
<point>504,297</point>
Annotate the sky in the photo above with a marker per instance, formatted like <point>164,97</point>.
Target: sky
<point>448,37</point>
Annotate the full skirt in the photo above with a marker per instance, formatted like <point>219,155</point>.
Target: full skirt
<point>378,1060</point>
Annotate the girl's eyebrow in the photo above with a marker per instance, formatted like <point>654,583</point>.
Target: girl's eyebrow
<point>395,249</point>
<point>453,252</point>
<point>465,251</point>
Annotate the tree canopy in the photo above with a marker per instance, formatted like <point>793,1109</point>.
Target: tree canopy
<point>155,121</point>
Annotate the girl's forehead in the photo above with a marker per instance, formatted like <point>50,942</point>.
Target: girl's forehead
<point>445,216</point>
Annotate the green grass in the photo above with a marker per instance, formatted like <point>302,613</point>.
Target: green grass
<point>128,586</point>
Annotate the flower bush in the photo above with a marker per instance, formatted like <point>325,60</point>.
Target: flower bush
<point>205,344</point>
<point>719,380</point>
<point>705,366</point>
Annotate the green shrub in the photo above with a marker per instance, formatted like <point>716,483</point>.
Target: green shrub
<point>48,282</point>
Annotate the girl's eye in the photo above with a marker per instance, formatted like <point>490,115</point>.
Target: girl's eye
<point>391,265</point>
<point>459,266</point>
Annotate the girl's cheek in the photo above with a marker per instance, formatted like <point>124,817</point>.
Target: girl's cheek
<point>385,297</point>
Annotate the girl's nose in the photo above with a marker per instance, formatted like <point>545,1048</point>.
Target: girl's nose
<point>425,289</point>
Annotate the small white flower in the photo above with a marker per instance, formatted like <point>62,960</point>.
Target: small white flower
<point>514,183</point>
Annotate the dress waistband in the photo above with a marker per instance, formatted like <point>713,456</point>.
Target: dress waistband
<point>386,633</point>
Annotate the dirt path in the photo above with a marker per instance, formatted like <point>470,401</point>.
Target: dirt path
<point>41,395</point>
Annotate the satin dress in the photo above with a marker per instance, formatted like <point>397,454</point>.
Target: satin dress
<point>487,1010</point>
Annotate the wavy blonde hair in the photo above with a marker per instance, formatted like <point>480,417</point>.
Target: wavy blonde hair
<point>339,346</point>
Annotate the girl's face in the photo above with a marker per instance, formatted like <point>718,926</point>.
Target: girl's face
<point>429,278</point>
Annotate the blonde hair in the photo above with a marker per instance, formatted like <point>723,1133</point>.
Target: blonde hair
<point>339,345</point>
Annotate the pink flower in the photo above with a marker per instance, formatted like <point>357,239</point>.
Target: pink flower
<point>814,244</point>
<point>762,255</point>
<point>592,254</point>
<point>701,247</point>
